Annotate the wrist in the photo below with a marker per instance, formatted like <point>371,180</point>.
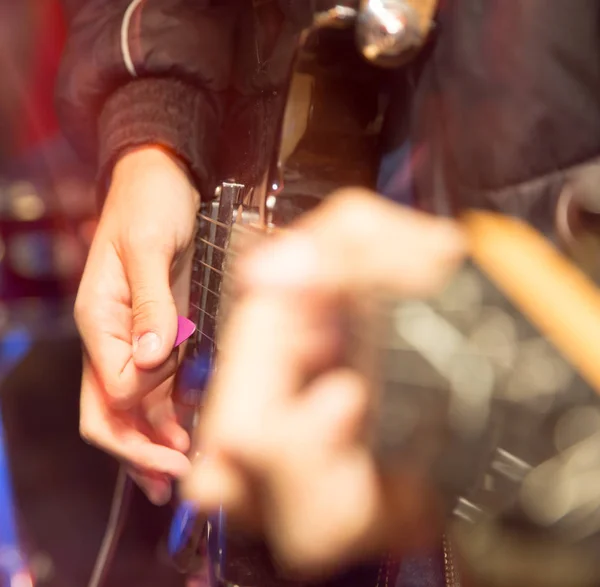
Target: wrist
<point>152,159</point>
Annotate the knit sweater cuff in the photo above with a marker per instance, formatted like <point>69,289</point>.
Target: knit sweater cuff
<point>163,112</point>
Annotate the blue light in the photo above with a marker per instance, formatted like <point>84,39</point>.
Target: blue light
<point>194,374</point>
<point>8,530</point>
<point>14,345</point>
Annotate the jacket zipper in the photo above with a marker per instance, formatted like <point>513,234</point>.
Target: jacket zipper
<point>451,575</point>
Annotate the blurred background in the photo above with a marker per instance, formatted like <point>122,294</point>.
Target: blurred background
<point>62,488</point>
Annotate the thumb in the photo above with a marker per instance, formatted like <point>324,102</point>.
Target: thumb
<point>154,312</point>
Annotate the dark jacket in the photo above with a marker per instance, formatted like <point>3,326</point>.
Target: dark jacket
<point>502,110</point>
<point>507,110</point>
<point>145,71</point>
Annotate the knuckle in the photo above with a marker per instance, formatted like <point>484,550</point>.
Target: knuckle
<point>351,200</point>
<point>112,391</point>
<point>79,312</point>
<point>143,305</point>
<point>81,309</point>
<point>349,210</point>
<point>116,398</point>
<point>150,302</point>
<point>115,392</point>
<point>87,311</point>
<point>88,432</point>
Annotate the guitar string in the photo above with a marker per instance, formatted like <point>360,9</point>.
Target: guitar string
<point>205,288</point>
<point>222,272</point>
<point>205,312</point>
<point>210,267</point>
<point>205,335</point>
<point>213,221</point>
<point>202,287</point>
<point>212,245</point>
<point>229,252</point>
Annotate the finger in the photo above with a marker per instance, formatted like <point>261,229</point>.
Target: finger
<point>154,313</point>
<point>367,511</point>
<point>181,278</point>
<point>157,488</point>
<point>333,409</point>
<point>118,433</point>
<point>260,366</point>
<point>403,511</point>
<point>215,483</point>
<point>162,419</point>
<point>321,487</point>
<point>103,316</point>
<point>124,384</point>
<point>271,344</point>
<point>355,241</point>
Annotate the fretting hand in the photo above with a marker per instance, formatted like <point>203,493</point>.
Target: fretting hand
<point>288,457</point>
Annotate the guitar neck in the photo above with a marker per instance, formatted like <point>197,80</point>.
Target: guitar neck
<point>223,225</point>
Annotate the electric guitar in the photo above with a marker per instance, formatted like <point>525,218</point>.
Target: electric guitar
<point>484,388</point>
<point>320,133</point>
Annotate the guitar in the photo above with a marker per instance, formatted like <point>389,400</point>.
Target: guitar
<point>481,388</point>
<point>322,133</point>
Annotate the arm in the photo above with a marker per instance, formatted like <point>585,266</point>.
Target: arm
<point>146,72</point>
<point>142,73</point>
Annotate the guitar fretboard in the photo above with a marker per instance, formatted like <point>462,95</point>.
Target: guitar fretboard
<point>223,228</point>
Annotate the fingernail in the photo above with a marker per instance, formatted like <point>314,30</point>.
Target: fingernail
<point>182,527</point>
<point>292,261</point>
<point>146,345</point>
<point>185,329</point>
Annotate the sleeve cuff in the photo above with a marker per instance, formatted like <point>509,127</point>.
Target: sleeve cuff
<point>164,112</point>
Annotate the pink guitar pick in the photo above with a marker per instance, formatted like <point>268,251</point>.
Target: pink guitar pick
<point>185,329</point>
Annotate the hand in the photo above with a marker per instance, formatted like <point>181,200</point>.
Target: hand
<point>288,457</point>
<point>135,281</point>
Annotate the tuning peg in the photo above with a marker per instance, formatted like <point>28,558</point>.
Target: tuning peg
<point>389,32</point>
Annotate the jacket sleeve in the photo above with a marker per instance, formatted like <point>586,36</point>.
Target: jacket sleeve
<point>138,72</point>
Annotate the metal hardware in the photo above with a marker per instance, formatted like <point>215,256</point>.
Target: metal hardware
<point>388,31</point>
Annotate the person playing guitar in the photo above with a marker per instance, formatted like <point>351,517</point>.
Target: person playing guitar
<point>464,127</point>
